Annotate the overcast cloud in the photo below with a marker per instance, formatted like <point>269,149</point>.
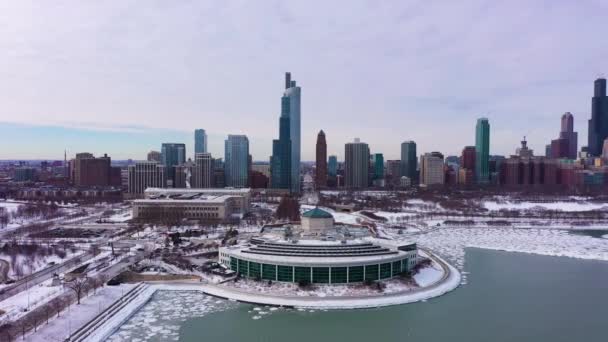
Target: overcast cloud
<point>383,71</point>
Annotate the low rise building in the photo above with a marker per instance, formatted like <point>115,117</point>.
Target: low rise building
<point>210,205</point>
<point>325,254</point>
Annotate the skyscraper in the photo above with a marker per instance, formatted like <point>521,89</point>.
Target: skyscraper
<point>200,141</point>
<point>332,166</point>
<point>393,171</point>
<point>146,174</point>
<point>356,164</point>
<point>567,144</point>
<point>409,162</point>
<point>280,162</point>
<point>290,107</point>
<point>482,150</point>
<point>467,160</point>
<point>321,162</point>
<point>378,169</point>
<point>598,124</point>
<point>431,169</point>
<point>203,170</point>
<point>285,160</point>
<point>91,171</point>
<point>173,154</point>
<point>236,165</point>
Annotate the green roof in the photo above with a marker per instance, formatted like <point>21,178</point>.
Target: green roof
<point>317,213</point>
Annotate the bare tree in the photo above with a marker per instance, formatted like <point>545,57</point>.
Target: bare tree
<point>78,285</point>
<point>6,332</point>
<point>58,305</point>
<point>48,311</point>
<point>23,324</point>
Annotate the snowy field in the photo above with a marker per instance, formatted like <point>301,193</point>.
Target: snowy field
<point>31,298</point>
<point>560,206</point>
<point>20,265</point>
<point>121,216</point>
<point>393,217</point>
<point>60,328</point>
<point>10,206</point>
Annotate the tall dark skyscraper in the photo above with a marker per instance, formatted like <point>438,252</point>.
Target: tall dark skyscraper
<point>172,154</point>
<point>285,160</point>
<point>356,164</point>
<point>409,160</point>
<point>482,150</point>
<point>321,163</point>
<point>598,124</point>
<point>280,162</point>
<point>566,145</point>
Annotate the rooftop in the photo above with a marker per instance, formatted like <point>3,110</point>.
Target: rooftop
<point>317,213</point>
<point>197,191</point>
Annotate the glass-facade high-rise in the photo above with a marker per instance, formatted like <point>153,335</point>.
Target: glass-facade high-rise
<point>280,162</point>
<point>332,166</point>
<point>409,160</point>
<point>236,161</point>
<point>598,124</point>
<point>172,154</point>
<point>378,164</point>
<point>285,158</point>
<point>200,141</point>
<point>482,150</point>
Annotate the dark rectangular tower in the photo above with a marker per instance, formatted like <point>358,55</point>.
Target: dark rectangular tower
<point>598,124</point>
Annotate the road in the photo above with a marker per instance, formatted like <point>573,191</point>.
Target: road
<point>42,275</point>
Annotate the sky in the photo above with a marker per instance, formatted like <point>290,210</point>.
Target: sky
<point>121,77</point>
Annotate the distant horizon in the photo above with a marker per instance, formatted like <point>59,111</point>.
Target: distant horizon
<point>119,78</point>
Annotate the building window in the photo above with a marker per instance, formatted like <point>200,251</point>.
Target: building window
<point>385,270</point>
<point>285,273</point>
<point>339,275</point>
<point>355,274</point>
<point>320,275</point>
<point>301,274</point>
<point>371,272</point>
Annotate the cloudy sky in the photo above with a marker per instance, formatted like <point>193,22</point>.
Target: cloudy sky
<point>123,76</point>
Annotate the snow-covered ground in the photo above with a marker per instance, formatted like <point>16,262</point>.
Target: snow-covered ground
<point>21,265</point>
<point>428,275</point>
<point>121,216</point>
<point>560,206</point>
<point>393,217</point>
<point>31,298</point>
<point>71,319</point>
<point>10,206</point>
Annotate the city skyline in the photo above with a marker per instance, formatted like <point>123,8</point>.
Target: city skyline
<point>175,86</point>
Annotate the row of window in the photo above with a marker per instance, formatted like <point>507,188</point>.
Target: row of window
<point>320,275</point>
